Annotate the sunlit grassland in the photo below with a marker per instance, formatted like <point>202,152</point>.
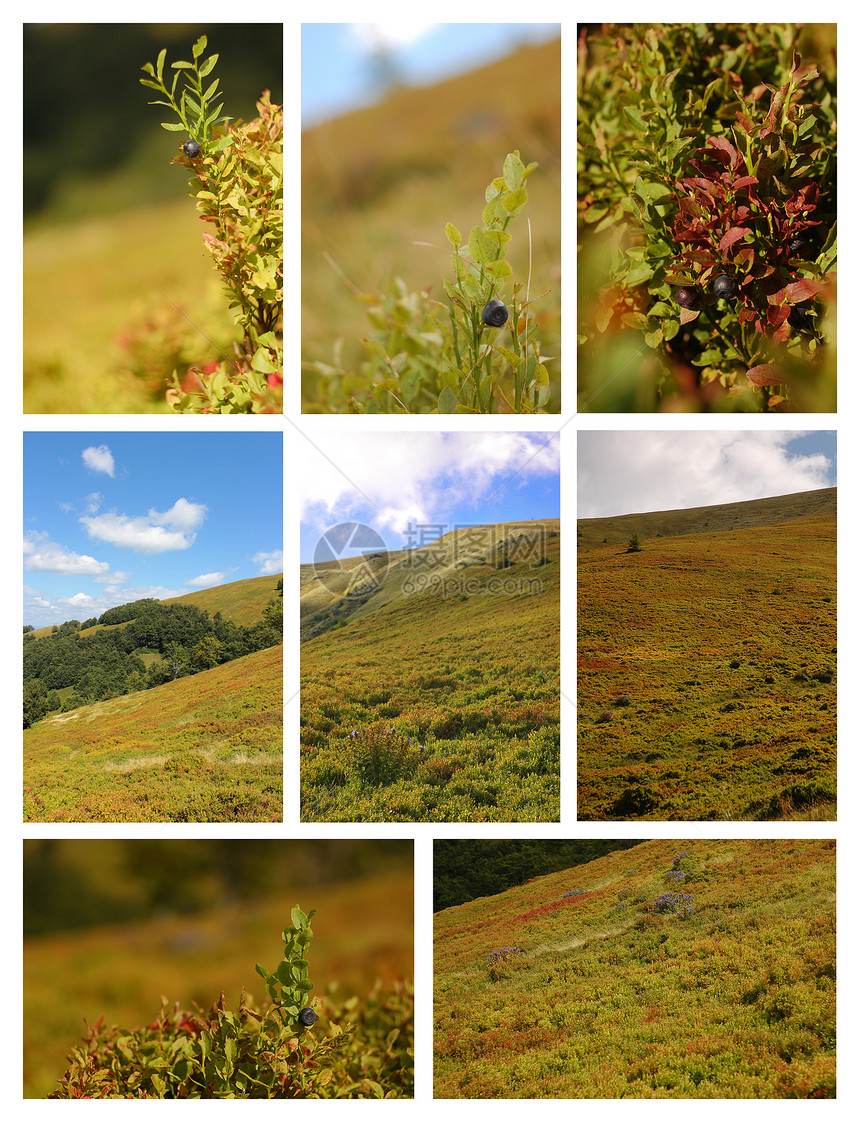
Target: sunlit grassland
<point>242,601</point>
<point>363,933</point>
<point>706,675</point>
<point>611,999</point>
<point>88,282</point>
<point>472,679</point>
<point>379,185</point>
<point>207,748</point>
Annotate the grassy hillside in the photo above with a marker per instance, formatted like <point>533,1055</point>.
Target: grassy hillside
<point>706,672</point>
<point>242,601</point>
<point>207,748</point>
<point>706,519</point>
<point>363,932</point>
<point>433,695</point>
<point>379,185</point>
<point>613,998</point>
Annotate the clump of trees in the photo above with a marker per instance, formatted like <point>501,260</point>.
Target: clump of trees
<point>113,660</point>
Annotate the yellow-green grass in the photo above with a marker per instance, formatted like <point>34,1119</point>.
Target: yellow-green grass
<point>379,185</point>
<point>470,676</point>
<point>363,932</point>
<point>202,749</point>
<point>611,999</point>
<point>706,675</point>
<point>88,283</point>
<point>241,601</point>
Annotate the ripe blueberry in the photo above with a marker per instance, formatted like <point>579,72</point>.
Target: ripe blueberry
<point>686,297</point>
<point>191,149</point>
<point>307,1017</point>
<point>495,314</point>
<point>725,286</point>
<point>797,246</point>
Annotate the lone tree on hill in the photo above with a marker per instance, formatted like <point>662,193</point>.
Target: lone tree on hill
<point>633,545</point>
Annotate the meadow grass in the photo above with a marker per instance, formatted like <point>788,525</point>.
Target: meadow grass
<point>208,748</point>
<point>612,999</point>
<point>706,675</point>
<point>437,708</point>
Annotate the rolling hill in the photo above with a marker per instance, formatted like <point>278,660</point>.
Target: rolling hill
<point>699,969</point>
<point>430,680</point>
<point>207,748</point>
<point>706,663</point>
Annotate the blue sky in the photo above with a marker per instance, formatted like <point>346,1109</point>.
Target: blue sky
<point>339,73</point>
<point>409,488</point>
<point>637,472</point>
<point>114,517</point>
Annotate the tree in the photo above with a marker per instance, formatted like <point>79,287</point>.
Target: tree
<point>633,545</point>
<point>208,652</point>
<point>176,658</point>
<point>34,703</point>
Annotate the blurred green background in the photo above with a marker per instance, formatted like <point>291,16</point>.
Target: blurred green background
<point>112,925</point>
<point>109,231</point>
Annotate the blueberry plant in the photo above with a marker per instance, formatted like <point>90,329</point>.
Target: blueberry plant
<point>475,353</point>
<point>707,213</point>
<point>273,1051</point>
<point>237,183</point>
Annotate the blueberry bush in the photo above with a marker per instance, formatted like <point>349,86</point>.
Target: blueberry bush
<point>477,352</point>
<point>707,217</point>
<point>273,1051</point>
<point>237,184</point>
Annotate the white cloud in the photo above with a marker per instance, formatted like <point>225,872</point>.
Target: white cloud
<point>43,556</point>
<point>636,472</point>
<point>208,580</point>
<point>155,532</point>
<point>398,33</point>
<point>118,576</point>
<point>98,459</point>
<point>416,477</point>
<point>93,502</point>
<point>269,563</point>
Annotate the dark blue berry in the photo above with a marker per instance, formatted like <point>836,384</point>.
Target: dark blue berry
<point>191,149</point>
<point>307,1017</point>
<point>686,297</point>
<point>725,286</point>
<point>495,314</point>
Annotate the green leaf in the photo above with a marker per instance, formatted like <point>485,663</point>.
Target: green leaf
<point>300,920</point>
<point>182,65</point>
<point>207,66</point>
<point>476,244</point>
<point>636,119</point>
<point>515,200</point>
<point>173,128</point>
<point>199,47</point>
<point>639,274</point>
<point>159,65</point>
<point>447,401</point>
<point>453,235</point>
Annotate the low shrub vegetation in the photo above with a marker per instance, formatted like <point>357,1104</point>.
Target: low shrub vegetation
<point>724,990</point>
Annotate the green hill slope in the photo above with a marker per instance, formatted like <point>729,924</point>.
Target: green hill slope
<point>433,695</point>
<point>707,519</point>
<point>207,748</point>
<point>706,674</point>
<point>613,998</point>
<point>242,601</point>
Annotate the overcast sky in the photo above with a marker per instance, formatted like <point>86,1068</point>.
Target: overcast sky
<point>638,472</point>
<point>396,482</point>
<point>115,517</point>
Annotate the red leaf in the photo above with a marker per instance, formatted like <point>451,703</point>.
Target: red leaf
<point>766,375</point>
<point>745,181</point>
<point>722,145</point>
<point>799,291</point>
<point>731,236</point>
<point>687,316</point>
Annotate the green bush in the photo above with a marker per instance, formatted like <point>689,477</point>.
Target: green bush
<point>238,188</point>
<point>267,1052</point>
<point>707,212</point>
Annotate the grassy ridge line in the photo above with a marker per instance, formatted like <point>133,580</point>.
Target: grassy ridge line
<point>703,519</point>
<point>241,601</point>
<point>202,749</point>
<point>737,999</point>
<point>122,971</point>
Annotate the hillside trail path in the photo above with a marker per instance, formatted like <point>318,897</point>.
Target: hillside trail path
<point>563,944</point>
